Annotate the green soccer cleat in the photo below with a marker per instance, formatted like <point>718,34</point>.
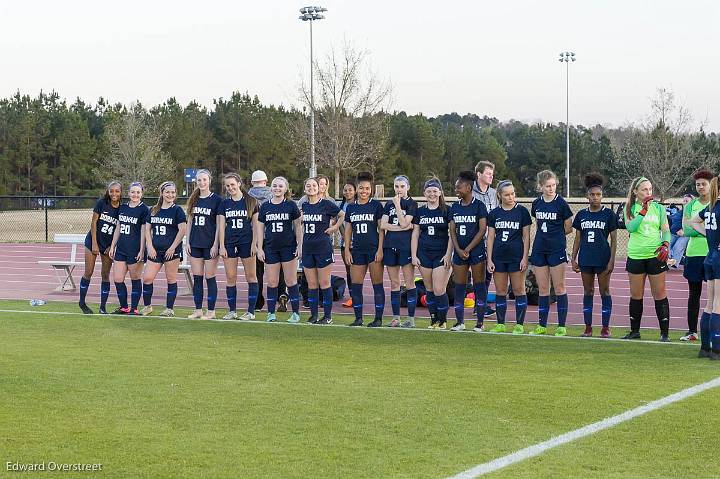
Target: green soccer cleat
<point>518,329</point>
<point>539,330</point>
<point>271,318</point>
<point>499,328</point>
<point>561,331</point>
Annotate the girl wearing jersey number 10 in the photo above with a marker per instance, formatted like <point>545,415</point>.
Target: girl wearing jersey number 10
<point>202,246</point>
<point>593,226</point>
<point>508,244</point>
<point>553,219</point>
<point>648,250</point>
<point>280,246</point>
<point>237,227</point>
<point>321,219</point>
<point>364,249</point>
<point>432,250</point>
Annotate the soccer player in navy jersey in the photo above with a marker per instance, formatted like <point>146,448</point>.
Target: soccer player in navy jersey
<point>592,255</point>
<point>349,197</point>
<point>128,248</point>
<point>364,249</point>
<point>432,250</point>
<point>468,224</point>
<point>203,207</point>
<point>98,241</point>
<point>237,227</point>
<point>163,238</point>
<point>321,218</point>
<point>397,224</point>
<point>508,243</point>
<point>280,246</point>
<point>553,221</point>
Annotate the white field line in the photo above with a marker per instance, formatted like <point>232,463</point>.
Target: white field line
<point>588,430</point>
<point>363,328</point>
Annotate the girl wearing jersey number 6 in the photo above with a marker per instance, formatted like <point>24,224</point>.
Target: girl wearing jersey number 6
<point>508,244</point>
<point>648,251</point>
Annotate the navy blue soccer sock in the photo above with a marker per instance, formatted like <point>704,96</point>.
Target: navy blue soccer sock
<point>84,285</point>
<point>231,293</point>
<point>198,291</point>
<point>395,302</point>
<point>327,295</point>
<point>460,302</point>
<point>411,302</point>
<point>443,305</point>
<point>121,294</point>
<point>500,308</point>
<point>520,309</point>
<point>379,297</point>
<point>587,309</point>
<point>272,296</point>
<point>104,293</point>
<point>562,309</point>
<point>606,310</point>
<point>314,299</point>
<point>705,339</point>
<point>715,332</point>
<point>543,310</point>
<point>147,293</point>
<point>212,293</point>
<point>357,300</point>
<point>171,295</point>
<point>480,301</point>
<point>294,295</point>
<point>136,293</point>
<point>430,299</point>
<point>253,293</point>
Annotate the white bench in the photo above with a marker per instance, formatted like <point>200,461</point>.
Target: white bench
<point>64,269</point>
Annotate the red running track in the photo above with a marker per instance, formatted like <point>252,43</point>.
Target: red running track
<point>21,277</point>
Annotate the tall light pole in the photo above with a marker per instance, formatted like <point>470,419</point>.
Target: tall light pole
<point>310,14</point>
<point>567,57</point>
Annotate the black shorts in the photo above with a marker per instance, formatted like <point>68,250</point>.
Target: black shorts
<point>694,270</point>
<point>160,256</point>
<point>649,266</point>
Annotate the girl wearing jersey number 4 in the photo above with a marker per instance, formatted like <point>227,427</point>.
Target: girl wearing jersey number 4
<point>648,251</point>
<point>593,226</point>
<point>553,219</point>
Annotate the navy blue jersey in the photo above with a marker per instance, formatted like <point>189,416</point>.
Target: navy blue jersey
<point>433,228</point>
<point>550,217</point>
<point>130,222</point>
<point>164,225</point>
<point>278,220</point>
<point>238,224</point>
<point>508,225</point>
<point>204,221</point>
<point>316,219</point>
<point>364,221</point>
<point>467,220</point>
<point>106,223</point>
<point>399,240</point>
<point>712,234</point>
<point>595,228</point>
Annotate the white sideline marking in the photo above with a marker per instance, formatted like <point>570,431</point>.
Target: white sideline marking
<point>588,430</point>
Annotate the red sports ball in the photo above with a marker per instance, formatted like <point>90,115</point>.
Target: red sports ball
<point>423,300</point>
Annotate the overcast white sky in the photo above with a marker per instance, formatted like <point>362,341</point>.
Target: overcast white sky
<point>490,58</point>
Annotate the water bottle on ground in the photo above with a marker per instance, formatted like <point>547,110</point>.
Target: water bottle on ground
<point>37,302</point>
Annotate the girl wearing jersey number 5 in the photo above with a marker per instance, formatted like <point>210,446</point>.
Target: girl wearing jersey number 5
<point>648,251</point>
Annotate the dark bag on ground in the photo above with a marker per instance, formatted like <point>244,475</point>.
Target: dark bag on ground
<point>337,283</point>
<point>532,291</point>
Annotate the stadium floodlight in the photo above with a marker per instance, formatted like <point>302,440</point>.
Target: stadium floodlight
<point>311,14</point>
<point>567,57</point>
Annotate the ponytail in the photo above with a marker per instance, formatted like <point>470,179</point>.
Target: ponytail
<point>713,192</point>
<point>630,201</point>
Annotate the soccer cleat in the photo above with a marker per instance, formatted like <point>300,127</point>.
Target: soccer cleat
<point>664,338</point>
<point>197,314</point>
<point>605,332</point>
<point>561,331</point>
<point>146,311</point>
<point>348,303</point>
<point>433,325</point>
<point>539,330</point>
<point>499,328</point>
<point>408,323</point>
<point>124,310</point>
<point>689,337</point>
<point>324,321</point>
<point>313,320</point>
<point>458,327</point>
<point>357,322</point>
<point>479,328</point>
<point>168,313</point>
<point>247,317</point>
<point>395,323</point>
<point>489,312</point>
<point>209,315</point>
<point>271,318</point>
<point>294,318</point>
<point>632,335</point>
<point>376,323</point>
<point>714,356</point>
<point>588,332</point>
<point>85,309</point>
<point>133,312</point>
<point>282,303</point>
<point>704,353</point>
<point>518,329</point>
<point>230,315</point>
<point>102,311</point>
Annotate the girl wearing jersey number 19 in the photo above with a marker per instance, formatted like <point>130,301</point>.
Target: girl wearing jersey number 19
<point>508,244</point>
<point>648,250</point>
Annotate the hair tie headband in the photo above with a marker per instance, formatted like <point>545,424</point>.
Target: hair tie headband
<point>403,178</point>
<point>136,183</point>
<point>165,185</point>
<point>503,184</point>
<point>432,183</point>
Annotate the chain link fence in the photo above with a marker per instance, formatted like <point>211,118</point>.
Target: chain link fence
<point>38,218</point>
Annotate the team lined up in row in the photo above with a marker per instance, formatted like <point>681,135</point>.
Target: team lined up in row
<point>484,233</point>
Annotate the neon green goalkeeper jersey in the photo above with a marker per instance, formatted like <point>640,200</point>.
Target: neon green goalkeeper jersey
<point>648,237</point>
<point>697,245</point>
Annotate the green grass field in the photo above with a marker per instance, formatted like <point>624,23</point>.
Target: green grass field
<point>151,397</point>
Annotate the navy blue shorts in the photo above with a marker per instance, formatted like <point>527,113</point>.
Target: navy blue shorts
<point>694,270</point>
<point>201,253</point>
<point>362,258</point>
<point>592,269</point>
<point>507,266</point>
<point>477,256</point>
<point>129,258</point>
<point>238,250</point>
<point>548,259</point>
<point>711,266</point>
<point>396,257</point>
<point>279,256</point>
<point>431,259</point>
<point>160,256</point>
<point>88,244</point>
<point>317,260</point>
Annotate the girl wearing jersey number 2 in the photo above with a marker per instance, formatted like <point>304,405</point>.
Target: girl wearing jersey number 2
<point>593,227</point>
<point>648,251</point>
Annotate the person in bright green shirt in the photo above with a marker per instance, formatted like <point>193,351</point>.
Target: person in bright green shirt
<point>695,252</point>
<point>648,250</point>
